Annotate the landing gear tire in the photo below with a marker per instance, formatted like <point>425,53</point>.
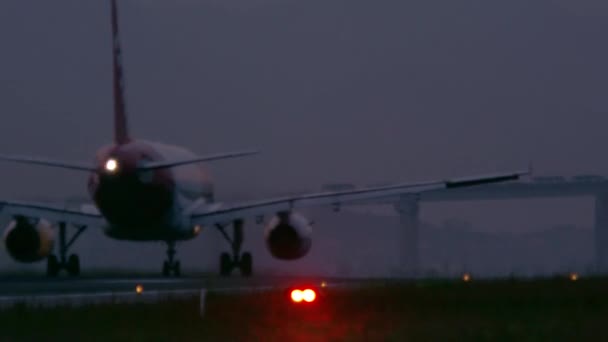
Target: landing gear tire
<point>169,270</point>
<point>236,259</point>
<point>226,264</point>
<point>166,269</point>
<point>73,266</point>
<point>52,266</point>
<point>246,264</point>
<point>171,266</point>
<point>177,269</point>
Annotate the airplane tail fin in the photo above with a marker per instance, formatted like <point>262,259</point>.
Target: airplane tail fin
<point>121,131</point>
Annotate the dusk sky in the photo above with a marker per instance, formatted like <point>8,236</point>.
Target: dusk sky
<point>348,91</point>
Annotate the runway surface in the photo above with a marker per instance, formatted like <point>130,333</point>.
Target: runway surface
<point>31,285</point>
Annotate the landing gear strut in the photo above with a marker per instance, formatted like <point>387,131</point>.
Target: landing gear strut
<point>229,261</point>
<point>71,264</point>
<point>171,265</point>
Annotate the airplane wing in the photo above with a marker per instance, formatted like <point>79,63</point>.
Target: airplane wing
<point>52,213</point>
<point>222,214</point>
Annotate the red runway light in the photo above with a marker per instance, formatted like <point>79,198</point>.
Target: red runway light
<point>297,296</point>
<point>307,295</point>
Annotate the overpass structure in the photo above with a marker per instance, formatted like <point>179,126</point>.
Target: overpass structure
<point>592,186</point>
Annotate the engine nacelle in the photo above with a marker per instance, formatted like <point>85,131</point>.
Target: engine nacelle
<point>288,236</point>
<point>29,240</point>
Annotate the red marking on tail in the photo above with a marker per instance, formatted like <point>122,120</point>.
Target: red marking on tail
<point>121,131</point>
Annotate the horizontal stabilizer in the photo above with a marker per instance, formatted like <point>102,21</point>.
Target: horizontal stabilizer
<point>48,162</point>
<point>149,166</point>
<point>199,159</point>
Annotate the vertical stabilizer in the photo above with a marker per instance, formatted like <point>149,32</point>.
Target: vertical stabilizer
<point>121,132</point>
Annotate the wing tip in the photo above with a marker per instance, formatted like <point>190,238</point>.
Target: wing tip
<point>499,178</point>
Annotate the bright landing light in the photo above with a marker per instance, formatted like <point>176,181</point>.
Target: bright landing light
<point>111,165</point>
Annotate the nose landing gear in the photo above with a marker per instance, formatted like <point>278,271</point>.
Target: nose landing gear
<point>171,265</point>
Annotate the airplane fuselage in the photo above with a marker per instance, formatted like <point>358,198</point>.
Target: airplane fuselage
<point>151,204</point>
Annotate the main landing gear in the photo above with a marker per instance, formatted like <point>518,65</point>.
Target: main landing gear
<point>171,265</point>
<point>229,261</point>
<point>71,264</point>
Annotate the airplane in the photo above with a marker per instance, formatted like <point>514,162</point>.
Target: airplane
<point>148,191</point>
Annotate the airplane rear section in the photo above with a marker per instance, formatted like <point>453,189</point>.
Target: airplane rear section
<point>128,196</point>
<point>127,202</point>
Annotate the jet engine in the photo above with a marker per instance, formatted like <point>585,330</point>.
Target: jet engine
<point>288,236</point>
<point>29,240</point>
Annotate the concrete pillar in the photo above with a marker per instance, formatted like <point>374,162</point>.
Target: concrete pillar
<point>408,209</point>
<point>601,233</point>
